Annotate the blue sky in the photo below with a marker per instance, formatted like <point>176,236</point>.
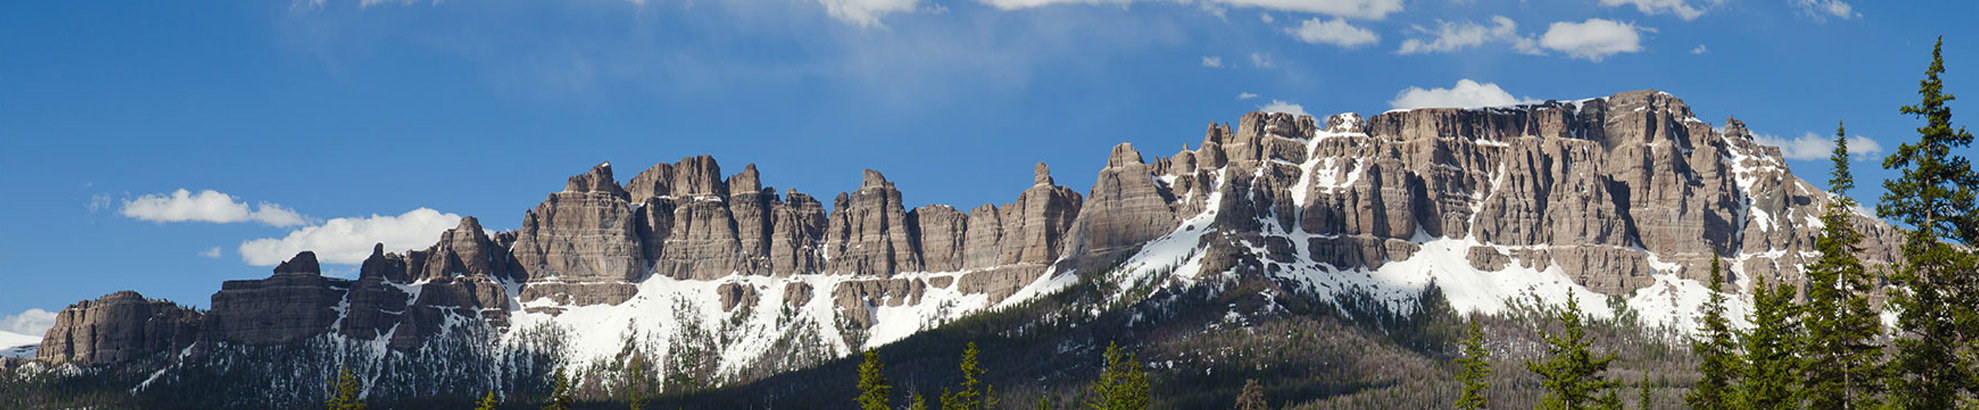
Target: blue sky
<point>331,123</point>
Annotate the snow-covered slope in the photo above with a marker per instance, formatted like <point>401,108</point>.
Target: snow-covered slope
<point>18,345</point>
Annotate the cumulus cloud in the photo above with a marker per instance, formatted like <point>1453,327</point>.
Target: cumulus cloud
<point>1246,96</point>
<point>1284,107</point>
<point>1336,32</point>
<point>866,13</point>
<point>207,206</point>
<point>349,240</point>
<point>1212,62</point>
<point>1683,9</point>
<point>1823,9</point>
<point>1452,36</point>
<point>1594,39</point>
<point>32,322</point>
<point>1811,146</point>
<point>1466,94</point>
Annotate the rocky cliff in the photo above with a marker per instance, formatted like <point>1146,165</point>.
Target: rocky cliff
<point>1628,195</point>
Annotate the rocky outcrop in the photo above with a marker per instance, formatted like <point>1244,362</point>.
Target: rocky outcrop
<point>868,232</point>
<point>117,327</point>
<point>289,306</point>
<point>1127,208</point>
<point>586,233</point>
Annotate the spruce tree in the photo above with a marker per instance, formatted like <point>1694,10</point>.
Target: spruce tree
<point>1934,196</point>
<point>916,402</point>
<point>1252,397</point>
<point>1642,392</point>
<point>487,402</point>
<point>345,390</point>
<point>873,390</point>
<point>1717,352</point>
<point>1477,366</point>
<point>1769,381</point>
<point>1842,329</point>
<point>1572,376</point>
<point>974,394</point>
<point>1122,385</point>
<point>559,392</point>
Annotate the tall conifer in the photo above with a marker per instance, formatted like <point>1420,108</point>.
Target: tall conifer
<point>1771,366</point>
<point>1934,196</point>
<point>1717,352</point>
<point>1842,329</point>
<point>1477,366</point>
<point>1572,376</point>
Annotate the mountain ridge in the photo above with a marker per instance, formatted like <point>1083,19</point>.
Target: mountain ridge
<point>1622,196</point>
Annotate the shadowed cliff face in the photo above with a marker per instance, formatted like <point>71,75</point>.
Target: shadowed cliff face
<point>1616,195</point>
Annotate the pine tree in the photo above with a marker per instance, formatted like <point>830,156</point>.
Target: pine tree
<point>1572,376</point>
<point>1122,385</point>
<point>1642,392</point>
<point>1717,352</point>
<point>1477,366</point>
<point>559,392</point>
<point>1252,397</point>
<point>488,402</point>
<point>873,390</point>
<point>916,402</point>
<point>975,394</point>
<point>344,392</point>
<point>1934,195</point>
<point>1769,381</point>
<point>1842,329</point>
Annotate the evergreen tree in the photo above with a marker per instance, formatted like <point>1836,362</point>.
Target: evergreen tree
<point>1477,366</point>
<point>975,394</point>
<point>559,392</point>
<point>1122,385</point>
<point>1572,376</point>
<point>344,392</point>
<point>1717,352</point>
<point>1769,381</point>
<point>487,402</point>
<point>916,402</point>
<point>1841,327</point>
<point>1642,392</point>
<point>1044,403</point>
<point>873,390</point>
<point>1253,397</point>
<point>1934,195</point>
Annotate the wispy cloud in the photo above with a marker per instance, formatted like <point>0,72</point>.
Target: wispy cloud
<point>1700,49</point>
<point>1284,107</point>
<point>1466,94</point>
<point>1359,9</point>
<point>349,240</point>
<point>1212,62</point>
<point>1821,10</point>
<point>1810,146</point>
<point>1683,9</point>
<point>1262,60</point>
<point>1246,96</point>
<point>207,206</point>
<point>1451,36</point>
<point>211,253</point>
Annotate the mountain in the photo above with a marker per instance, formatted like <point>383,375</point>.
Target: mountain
<point>16,345</point>
<point>717,280</point>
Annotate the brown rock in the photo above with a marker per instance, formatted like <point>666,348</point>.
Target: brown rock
<point>117,327</point>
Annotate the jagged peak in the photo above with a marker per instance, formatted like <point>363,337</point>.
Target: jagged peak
<point>1124,155</point>
<point>1041,175</point>
<point>303,262</point>
<point>599,179</point>
<point>874,180</point>
<point>746,182</point>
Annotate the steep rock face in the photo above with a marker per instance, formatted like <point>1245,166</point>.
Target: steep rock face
<point>1127,208</point>
<point>291,305</point>
<point>117,327</point>
<point>797,230</point>
<point>868,232</point>
<point>585,234</point>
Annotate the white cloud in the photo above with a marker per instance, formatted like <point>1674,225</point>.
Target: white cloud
<point>211,253</point>
<point>1212,62</point>
<point>1822,9</point>
<point>1284,107</point>
<point>1361,9</point>
<point>1266,17</point>
<point>1466,94</point>
<point>1262,60</point>
<point>207,206</point>
<point>1336,32</point>
<point>32,322</point>
<point>1700,49</point>
<point>1683,9</point>
<point>866,13</point>
<point>349,240</point>
<point>1453,36</point>
<point>1246,96</point>
<point>1594,39</point>
<point>1811,146</point>
<point>1358,9</point>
